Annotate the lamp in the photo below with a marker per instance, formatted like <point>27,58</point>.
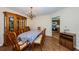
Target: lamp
<point>30,13</point>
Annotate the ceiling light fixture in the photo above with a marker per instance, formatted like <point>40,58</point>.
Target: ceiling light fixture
<point>30,13</point>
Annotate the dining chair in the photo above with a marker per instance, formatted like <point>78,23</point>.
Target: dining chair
<point>39,40</point>
<point>16,44</point>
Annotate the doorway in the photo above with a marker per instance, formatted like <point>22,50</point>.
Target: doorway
<point>56,27</point>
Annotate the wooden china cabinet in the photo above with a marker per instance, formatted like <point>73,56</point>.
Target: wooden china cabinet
<point>13,23</point>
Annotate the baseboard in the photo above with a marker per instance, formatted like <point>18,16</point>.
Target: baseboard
<point>1,44</point>
<point>77,49</point>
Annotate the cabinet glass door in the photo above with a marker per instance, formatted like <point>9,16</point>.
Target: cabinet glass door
<point>11,23</point>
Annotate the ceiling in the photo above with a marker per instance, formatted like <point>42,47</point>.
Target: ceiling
<point>36,10</point>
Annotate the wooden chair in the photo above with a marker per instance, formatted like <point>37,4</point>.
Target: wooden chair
<point>38,28</point>
<point>21,30</point>
<point>27,28</point>
<point>40,40</point>
<point>17,45</point>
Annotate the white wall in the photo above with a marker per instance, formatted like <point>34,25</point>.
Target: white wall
<point>29,22</point>
<point>43,21</point>
<point>2,23</point>
<point>69,18</point>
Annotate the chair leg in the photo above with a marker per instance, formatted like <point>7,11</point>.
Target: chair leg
<point>32,46</point>
<point>41,47</point>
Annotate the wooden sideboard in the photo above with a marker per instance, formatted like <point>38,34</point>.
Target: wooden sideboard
<point>68,40</point>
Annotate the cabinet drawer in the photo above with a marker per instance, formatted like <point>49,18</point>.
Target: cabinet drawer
<point>67,37</point>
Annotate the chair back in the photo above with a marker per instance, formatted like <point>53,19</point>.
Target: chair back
<point>43,36</point>
<point>12,39</point>
<point>27,28</point>
<point>10,42</point>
